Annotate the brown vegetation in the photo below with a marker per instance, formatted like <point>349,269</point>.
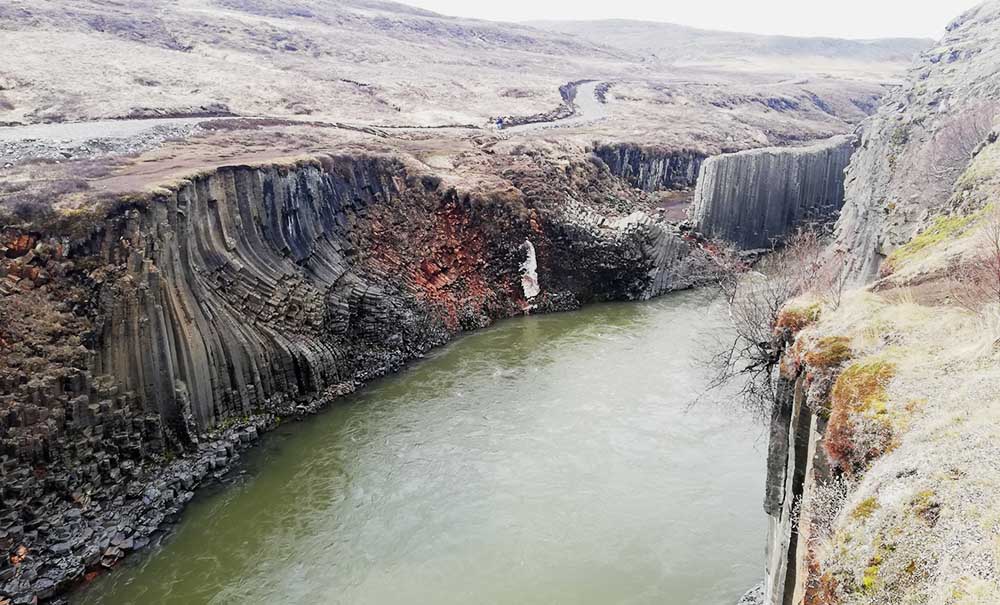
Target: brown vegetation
<point>860,389</point>
<point>829,352</point>
<point>977,281</point>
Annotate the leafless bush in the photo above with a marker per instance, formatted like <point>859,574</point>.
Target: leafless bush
<point>956,143</point>
<point>832,279</point>
<point>977,281</point>
<point>821,509</point>
<point>756,297</point>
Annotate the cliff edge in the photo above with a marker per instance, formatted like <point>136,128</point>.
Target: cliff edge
<point>883,476</point>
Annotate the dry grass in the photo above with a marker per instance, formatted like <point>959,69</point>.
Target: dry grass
<point>913,423</point>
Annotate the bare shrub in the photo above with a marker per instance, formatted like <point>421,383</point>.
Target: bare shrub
<point>756,297</point>
<point>824,503</point>
<point>832,278</point>
<point>977,281</point>
<point>958,140</point>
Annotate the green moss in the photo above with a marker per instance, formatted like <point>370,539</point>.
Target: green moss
<point>862,386</point>
<point>865,509</point>
<point>870,576</point>
<point>829,352</point>
<point>985,167</point>
<point>923,498</point>
<point>943,229</point>
<point>860,389</point>
<point>926,507</point>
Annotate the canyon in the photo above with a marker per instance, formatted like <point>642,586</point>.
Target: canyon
<point>172,292</point>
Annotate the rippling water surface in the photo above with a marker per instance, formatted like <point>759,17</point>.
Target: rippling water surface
<point>548,460</point>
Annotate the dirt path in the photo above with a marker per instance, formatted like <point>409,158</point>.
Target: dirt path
<point>79,132</point>
<point>588,109</point>
<point>77,140</point>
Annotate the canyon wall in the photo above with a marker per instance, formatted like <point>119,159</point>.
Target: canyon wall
<point>753,198</point>
<point>651,168</point>
<point>860,508</point>
<point>191,319</point>
<point>920,141</point>
<point>793,455</point>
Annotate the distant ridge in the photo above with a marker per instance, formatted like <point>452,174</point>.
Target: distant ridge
<point>671,43</point>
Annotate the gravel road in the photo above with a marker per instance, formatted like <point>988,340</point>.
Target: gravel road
<point>588,109</point>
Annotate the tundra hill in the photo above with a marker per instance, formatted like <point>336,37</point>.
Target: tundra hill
<point>390,64</point>
<point>678,45</point>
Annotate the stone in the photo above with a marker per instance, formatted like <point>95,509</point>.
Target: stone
<point>752,199</point>
<point>920,141</point>
<point>754,596</point>
<point>652,168</point>
<point>60,548</point>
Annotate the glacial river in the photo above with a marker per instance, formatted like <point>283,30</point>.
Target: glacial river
<point>549,460</point>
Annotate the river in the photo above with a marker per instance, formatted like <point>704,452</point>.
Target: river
<point>547,460</point>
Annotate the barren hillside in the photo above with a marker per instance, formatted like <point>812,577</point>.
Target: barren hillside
<point>678,45</point>
<point>380,63</point>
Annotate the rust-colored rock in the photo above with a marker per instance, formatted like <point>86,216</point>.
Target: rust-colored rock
<point>20,246</point>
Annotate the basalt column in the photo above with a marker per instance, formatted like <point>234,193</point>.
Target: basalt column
<point>754,198</point>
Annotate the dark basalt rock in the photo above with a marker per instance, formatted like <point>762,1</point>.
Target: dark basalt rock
<point>754,198</point>
<point>651,168</point>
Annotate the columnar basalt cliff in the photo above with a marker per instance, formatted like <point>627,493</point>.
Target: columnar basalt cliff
<point>753,198</point>
<point>190,319</point>
<point>792,453</point>
<point>652,168</point>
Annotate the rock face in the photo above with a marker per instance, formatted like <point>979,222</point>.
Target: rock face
<point>650,168</point>
<point>753,198</point>
<point>794,434</point>
<point>913,164</point>
<point>188,321</point>
<point>920,141</point>
<point>754,596</point>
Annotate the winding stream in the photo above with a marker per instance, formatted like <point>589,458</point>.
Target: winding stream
<point>547,460</point>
